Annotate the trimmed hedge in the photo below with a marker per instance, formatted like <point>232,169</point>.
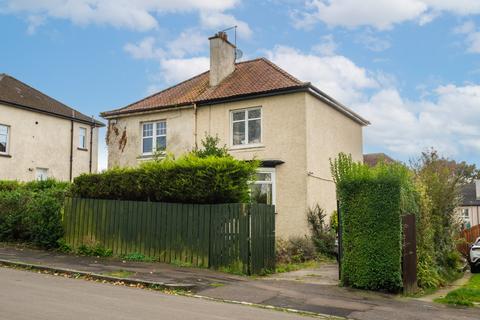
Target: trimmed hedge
<point>189,179</point>
<point>372,242</point>
<point>32,212</point>
<point>372,201</point>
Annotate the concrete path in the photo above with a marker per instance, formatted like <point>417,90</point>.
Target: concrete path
<point>26,295</point>
<point>155,272</point>
<point>444,291</point>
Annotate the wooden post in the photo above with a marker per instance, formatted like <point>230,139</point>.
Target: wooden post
<point>340,249</point>
<point>409,261</point>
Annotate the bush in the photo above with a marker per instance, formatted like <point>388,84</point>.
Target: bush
<point>31,212</point>
<point>189,179</point>
<point>370,204</point>
<point>322,236</point>
<point>295,250</point>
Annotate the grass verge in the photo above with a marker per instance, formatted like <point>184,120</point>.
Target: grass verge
<point>468,295</point>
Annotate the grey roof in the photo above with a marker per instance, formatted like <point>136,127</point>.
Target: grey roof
<point>469,197</point>
<point>15,93</point>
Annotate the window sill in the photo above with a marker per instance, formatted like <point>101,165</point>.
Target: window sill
<point>6,155</point>
<point>82,149</point>
<point>247,146</point>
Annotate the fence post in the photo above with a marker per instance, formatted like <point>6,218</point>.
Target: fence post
<point>409,256</point>
<point>249,239</point>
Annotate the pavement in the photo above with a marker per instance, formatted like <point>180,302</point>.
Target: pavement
<point>312,290</point>
<point>27,295</point>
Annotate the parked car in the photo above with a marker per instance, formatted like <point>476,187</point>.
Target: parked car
<point>475,256</point>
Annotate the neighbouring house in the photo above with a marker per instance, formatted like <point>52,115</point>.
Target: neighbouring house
<point>41,137</point>
<point>469,209</point>
<point>259,111</point>
<point>372,159</point>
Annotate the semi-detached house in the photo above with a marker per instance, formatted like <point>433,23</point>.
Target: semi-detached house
<point>259,111</point>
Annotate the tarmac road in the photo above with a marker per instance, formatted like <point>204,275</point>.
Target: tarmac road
<point>29,295</point>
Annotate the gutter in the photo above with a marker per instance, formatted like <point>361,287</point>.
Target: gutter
<point>71,151</point>
<point>91,145</point>
<point>306,87</point>
<point>97,123</point>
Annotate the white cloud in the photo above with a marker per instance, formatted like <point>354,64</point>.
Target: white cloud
<point>380,14</point>
<point>472,36</point>
<point>174,66</point>
<point>372,42</point>
<point>145,49</point>
<point>176,70</point>
<point>447,122</point>
<point>217,20</point>
<point>336,75</point>
<point>446,118</point>
<point>137,15</point>
<point>327,47</point>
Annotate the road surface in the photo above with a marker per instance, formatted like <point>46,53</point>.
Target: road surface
<point>29,295</point>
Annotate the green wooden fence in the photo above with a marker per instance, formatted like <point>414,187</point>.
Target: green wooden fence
<point>221,235</point>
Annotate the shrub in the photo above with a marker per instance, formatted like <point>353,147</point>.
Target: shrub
<point>295,250</point>
<point>31,212</point>
<point>189,179</point>
<point>322,236</point>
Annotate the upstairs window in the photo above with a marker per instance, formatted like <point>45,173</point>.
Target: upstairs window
<point>4,132</point>
<point>246,126</point>
<point>82,138</point>
<point>154,137</point>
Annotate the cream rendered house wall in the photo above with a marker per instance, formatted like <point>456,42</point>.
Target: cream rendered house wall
<point>329,132</point>
<point>283,138</point>
<point>43,141</point>
<point>296,129</point>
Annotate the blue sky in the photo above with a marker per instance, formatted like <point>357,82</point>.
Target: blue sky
<point>409,66</point>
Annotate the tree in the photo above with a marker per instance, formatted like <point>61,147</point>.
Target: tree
<point>210,147</point>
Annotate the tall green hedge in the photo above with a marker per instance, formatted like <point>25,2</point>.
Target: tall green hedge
<point>372,242</point>
<point>372,201</point>
<point>189,179</point>
<point>31,212</point>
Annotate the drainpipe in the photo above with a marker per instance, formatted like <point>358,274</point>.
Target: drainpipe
<point>91,145</point>
<point>195,125</point>
<point>71,149</point>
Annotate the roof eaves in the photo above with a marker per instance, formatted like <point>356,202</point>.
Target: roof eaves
<point>337,105</point>
<point>95,122</point>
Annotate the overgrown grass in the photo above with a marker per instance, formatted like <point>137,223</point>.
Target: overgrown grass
<point>467,295</point>
<point>288,267</point>
<point>137,257</point>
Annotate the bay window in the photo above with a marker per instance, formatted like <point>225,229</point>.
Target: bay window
<point>154,137</point>
<point>246,125</point>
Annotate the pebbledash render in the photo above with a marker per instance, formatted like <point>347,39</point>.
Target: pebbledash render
<point>259,111</point>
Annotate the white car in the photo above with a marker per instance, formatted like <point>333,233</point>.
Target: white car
<point>475,256</point>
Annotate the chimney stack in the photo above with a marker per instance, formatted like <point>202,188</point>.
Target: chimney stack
<point>222,58</point>
<point>477,189</point>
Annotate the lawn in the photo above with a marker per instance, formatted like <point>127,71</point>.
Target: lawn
<point>467,295</point>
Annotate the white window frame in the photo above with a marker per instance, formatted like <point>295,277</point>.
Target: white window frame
<point>154,136</point>
<point>42,177</point>
<point>245,110</point>
<point>273,181</point>
<point>84,145</point>
<point>7,149</point>
<point>465,214</point>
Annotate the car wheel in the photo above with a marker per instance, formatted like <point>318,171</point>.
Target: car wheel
<point>474,269</point>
